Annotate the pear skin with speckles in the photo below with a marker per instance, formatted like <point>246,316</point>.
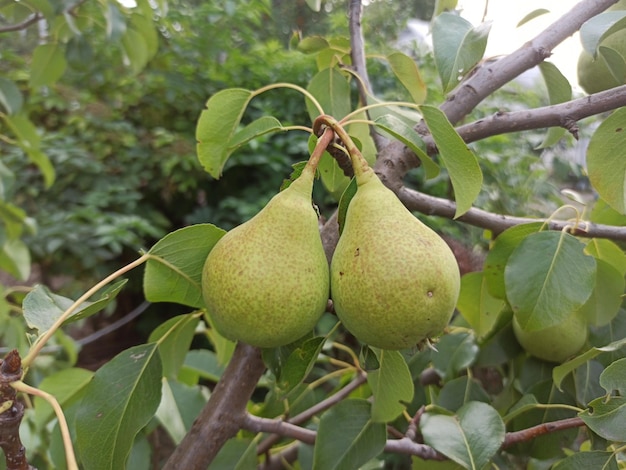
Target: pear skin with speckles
<point>394,281</point>
<point>266,282</point>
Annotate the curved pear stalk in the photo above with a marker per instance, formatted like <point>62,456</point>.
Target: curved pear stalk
<point>266,282</point>
<point>394,281</point>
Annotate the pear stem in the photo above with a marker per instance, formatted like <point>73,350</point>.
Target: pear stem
<point>320,147</point>
<point>362,170</point>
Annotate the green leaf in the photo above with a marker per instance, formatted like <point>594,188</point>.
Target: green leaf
<point>591,459</point>
<point>237,454</point>
<point>559,91</point>
<point>11,99</point>
<point>116,21</point>
<point>613,378</point>
<point>313,44</point>
<point>120,400</point>
<point>66,386</point>
<point>42,308</point>
<point>586,381</point>
<point>48,65</point>
<point>457,47</point>
<point>463,168</point>
<point>547,277</point>
<point>314,5</point>
<point>603,213</point>
<point>135,50</point>
<point>403,132</point>
<point>608,251</point>
<point>179,406</point>
<point>392,386</point>
<point>471,438</point>
<point>455,353</point>
<point>598,28</point>
<point>261,126</point>
<point>174,338</point>
<point>479,308</point>
<point>145,27</point>
<point>29,142</point>
<point>203,363</point>
<point>332,90</point>
<point>217,125</point>
<point>15,259</point>
<point>299,364</point>
<point>347,437</point>
<point>614,61</point>
<point>606,160</point>
<point>607,418</point>
<point>406,70</point>
<point>606,297</point>
<point>560,372</point>
<point>532,15</point>
<point>344,202</point>
<point>174,271</point>
<point>457,392</point>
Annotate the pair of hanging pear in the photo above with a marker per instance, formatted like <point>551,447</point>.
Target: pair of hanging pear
<point>393,281</point>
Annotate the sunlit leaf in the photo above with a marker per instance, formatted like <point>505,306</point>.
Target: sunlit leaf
<point>180,405</point>
<point>42,308</point>
<point>66,386</point>
<point>135,50</point>
<point>532,15</point>
<point>15,258</point>
<point>406,70</point>
<point>459,160</point>
<point>217,125</point>
<point>608,251</point>
<point>174,271</point>
<point>458,47</point>
<point>312,44</point>
<point>120,400</point>
<point>48,64</point>
<point>547,277</point>
<point>263,125</point>
<point>332,91</point>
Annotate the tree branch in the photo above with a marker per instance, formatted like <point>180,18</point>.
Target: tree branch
<point>559,115</point>
<point>223,415</point>
<point>488,78</point>
<point>32,19</point>
<point>544,428</point>
<point>318,408</point>
<point>430,205</point>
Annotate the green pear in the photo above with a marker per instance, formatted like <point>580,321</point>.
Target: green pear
<point>555,343</point>
<point>394,281</point>
<point>594,74</point>
<point>266,282</point>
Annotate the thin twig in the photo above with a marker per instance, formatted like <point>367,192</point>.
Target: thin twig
<point>541,429</point>
<point>323,405</point>
<point>430,205</point>
<point>32,19</point>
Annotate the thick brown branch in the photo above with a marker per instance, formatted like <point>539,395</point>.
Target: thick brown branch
<point>223,415</point>
<point>558,115</point>
<point>430,205</point>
